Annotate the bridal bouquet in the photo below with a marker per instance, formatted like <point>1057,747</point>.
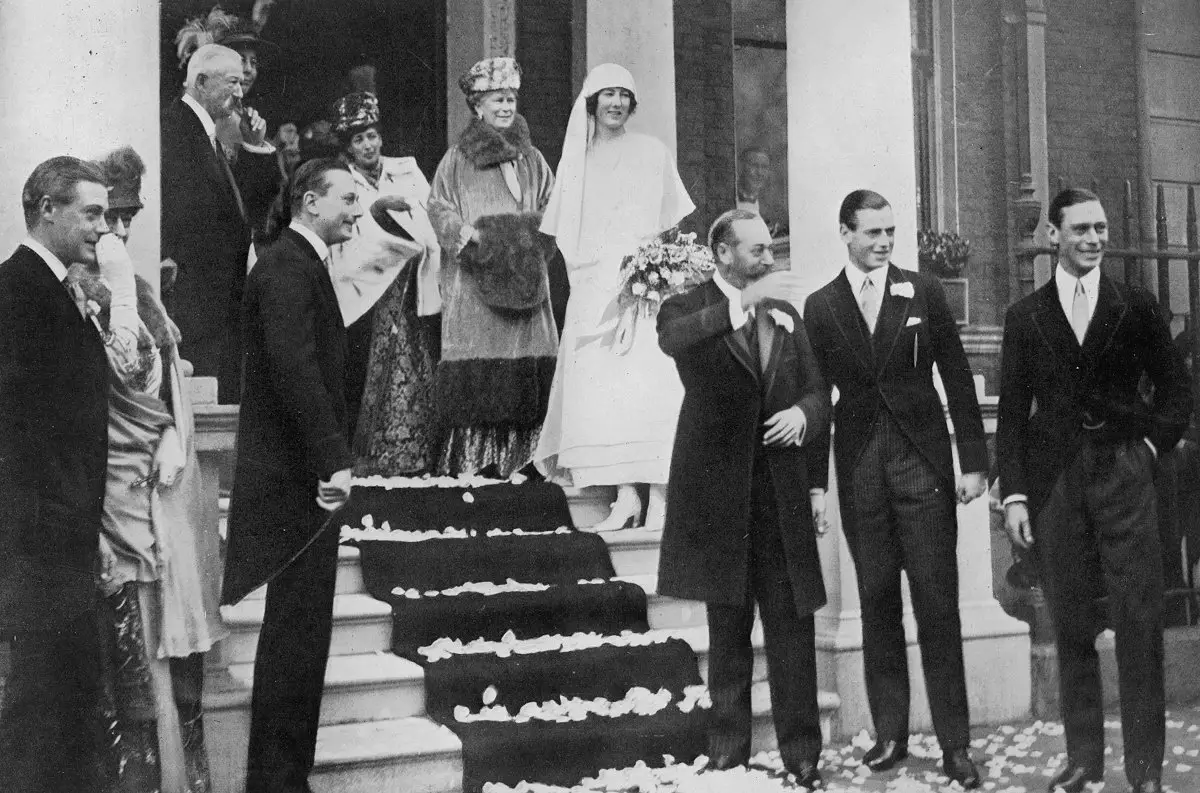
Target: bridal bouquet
<point>667,265</point>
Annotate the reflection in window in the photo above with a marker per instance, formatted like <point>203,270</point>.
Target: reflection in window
<point>760,109</point>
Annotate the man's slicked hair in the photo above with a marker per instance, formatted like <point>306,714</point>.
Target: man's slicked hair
<point>310,178</point>
<point>1068,198</point>
<point>722,228</point>
<point>856,202</point>
<point>56,179</point>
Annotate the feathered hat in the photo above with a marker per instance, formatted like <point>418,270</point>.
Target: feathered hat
<point>354,113</point>
<point>491,74</point>
<point>220,27</point>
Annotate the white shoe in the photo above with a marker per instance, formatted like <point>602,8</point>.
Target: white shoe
<point>624,513</point>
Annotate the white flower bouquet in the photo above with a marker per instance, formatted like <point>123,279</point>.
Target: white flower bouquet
<point>669,264</point>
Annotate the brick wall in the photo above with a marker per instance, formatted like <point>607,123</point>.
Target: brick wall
<point>704,106</point>
<point>544,52</point>
<point>1092,99</point>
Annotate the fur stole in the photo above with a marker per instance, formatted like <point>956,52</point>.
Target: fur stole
<point>150,309</point>
<point>509,265</point>
<point>486,147</point>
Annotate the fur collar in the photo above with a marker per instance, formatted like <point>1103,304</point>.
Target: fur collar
<point>150,309</point>
<point>485,146</point>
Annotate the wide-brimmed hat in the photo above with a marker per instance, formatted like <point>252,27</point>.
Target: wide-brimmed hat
<point>491,74</point>
<point>242,35</point>
<point>219,27</point>
<point>354,113</point>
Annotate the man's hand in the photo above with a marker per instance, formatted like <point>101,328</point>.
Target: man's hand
<point>780,285</point>
<point>254,127</point>
<point>1016,523</point>
<point>333,494</point>
<point>816,499</point>
<point>168,458</point>
<point>168,271</point>
<point>785,428</point>
<point>971,486</point>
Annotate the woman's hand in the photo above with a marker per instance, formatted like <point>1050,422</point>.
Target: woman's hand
<point>168,458</point>
<point>626,329</point>
<point>108,567</point>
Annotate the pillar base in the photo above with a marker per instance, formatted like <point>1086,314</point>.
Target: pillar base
<point>996,653</point>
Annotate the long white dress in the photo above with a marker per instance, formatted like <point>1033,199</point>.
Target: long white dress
<point>612,417</point>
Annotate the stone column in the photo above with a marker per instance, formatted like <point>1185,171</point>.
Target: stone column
<point>850,119</point>
<point>79,78</point>
<point>474,30</point>
<point>640,37</point>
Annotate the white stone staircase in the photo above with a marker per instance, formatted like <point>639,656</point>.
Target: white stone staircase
<point>375,734</point>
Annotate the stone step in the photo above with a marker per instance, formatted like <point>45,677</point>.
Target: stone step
<point>416,754</point>
<point>362,624</point>
<point>349,575</point>
<point>634,551</point>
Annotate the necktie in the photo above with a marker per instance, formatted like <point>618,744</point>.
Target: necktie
<point>750,329</point>
<point>868,301</point>
<point>225,169</point>
<point>1079,312</point>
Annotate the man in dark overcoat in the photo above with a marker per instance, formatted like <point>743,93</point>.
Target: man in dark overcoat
<point>1077,445</point>
<point>53,461</point>
<point>205,233</point>
<point>877,331</point>
<point>739,526</point>
<point>293,468</point>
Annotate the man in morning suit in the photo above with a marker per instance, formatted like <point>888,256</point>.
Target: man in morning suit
<point>293,467</point>
<point>1077,446</point>
<point>739,526</point>
<point>53,461</point>
<point>877,330</point>
<point>205,233</point>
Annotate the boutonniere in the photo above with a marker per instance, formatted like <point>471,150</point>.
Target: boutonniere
<point>902,289</point>
<point>782,319</point>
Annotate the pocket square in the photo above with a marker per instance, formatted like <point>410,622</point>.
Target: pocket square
<point>912,321</point>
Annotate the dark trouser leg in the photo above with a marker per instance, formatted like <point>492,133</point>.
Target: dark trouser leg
<point>187,677</point>
<point>730,667</point>
<point>790,638</point>
<point>289,670</point>
<point>1123,505</point>
<point>1070,561</point>
<point>48,725</point>
<point>927,525</point>
<point>875,548</point>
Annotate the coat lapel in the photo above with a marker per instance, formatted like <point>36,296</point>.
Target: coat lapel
<point>893,314</point>
<point>773,349</point>
<point>843,307</point>
<point>735,340</point>
<point>1110,310</point>
<point>1052,326</point>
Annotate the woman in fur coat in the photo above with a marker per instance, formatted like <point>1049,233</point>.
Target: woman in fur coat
<point>499,340</point>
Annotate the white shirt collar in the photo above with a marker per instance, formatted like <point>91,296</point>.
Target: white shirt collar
<point>210,126</point>
<point>856,276</point>
<point>53,262</point>
<point>729,290</point>
<point>318,244</point>
<point>1064,282</point>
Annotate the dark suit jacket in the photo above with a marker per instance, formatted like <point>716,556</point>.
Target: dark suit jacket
<point>1047,382</point>
<point>293,428</point>
<point>727,397</point>
<point>880,374</point>
<point>53,448</point>
<point>204,231</point>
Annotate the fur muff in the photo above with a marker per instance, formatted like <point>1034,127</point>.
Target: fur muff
<point>485,146</point>
<point>512,391</point>
<point>509,265</point>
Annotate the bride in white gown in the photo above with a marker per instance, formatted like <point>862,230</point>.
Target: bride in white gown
<point>616,396</point>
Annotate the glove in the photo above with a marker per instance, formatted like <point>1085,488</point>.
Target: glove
<point>116,268</point>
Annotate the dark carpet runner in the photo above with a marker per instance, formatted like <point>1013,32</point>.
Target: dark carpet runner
<point>556,752</point>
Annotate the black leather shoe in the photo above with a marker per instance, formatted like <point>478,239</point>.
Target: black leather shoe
<point>1073,778</point>
<point>1147,786</point>
<point>958,766</point>
<point>885,754</point>
<point>807,776</point>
